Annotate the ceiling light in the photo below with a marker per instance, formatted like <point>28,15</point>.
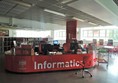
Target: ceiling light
<point>79,19</point>
<point>22,3</point>
<point>54,12</point>
<point>65,1</point>
<point>92,23</point>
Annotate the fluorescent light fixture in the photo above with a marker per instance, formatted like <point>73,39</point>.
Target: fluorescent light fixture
<point>92,23</point>
<point>79,19</point>
<point>54,12</point>
<point>21,3</point>
<point>65,1</point>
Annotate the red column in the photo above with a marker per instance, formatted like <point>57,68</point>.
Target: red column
<point>71,30</point>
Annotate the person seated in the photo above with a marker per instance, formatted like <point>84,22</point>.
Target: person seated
<point>74,46</point>
<point>89,48</point>
<point>81,46</point>
<point>56,47</point>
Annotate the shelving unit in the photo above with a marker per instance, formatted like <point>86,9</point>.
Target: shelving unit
<point>1,45</point>
<point>8,43</point>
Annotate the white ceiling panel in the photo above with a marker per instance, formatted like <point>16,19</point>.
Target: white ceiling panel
<point>91,7</point>
<point>88,10</point>
<point>5,6</point>
<point>18,10</point>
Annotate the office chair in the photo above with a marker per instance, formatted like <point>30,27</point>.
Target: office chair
<point>84,70</point>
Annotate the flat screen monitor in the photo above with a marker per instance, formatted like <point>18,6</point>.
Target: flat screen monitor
<point>55,42</point>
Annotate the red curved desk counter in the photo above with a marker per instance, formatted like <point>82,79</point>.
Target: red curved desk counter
<point>41,63</point>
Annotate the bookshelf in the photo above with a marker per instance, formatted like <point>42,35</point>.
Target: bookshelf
<point>8,43</point>
<point>1,45</point>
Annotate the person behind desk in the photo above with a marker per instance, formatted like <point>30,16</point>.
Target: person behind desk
<point>74,46</point>
<point>81,45</point>
<point>89,48</point>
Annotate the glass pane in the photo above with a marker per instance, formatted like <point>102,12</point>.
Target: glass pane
<point>85,33</point>
<point>107,33</point>
<point>102,33</point>
<point>96,33</point>
<point>90,33</point>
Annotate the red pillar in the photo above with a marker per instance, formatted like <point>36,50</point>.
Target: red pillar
<point>71,30</point>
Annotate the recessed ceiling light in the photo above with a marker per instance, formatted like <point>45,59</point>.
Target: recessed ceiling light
<point>22,3</point>
<point>65,1</point>
<point>54,12</point>
<point>92,23</point>
<point>78,19</point>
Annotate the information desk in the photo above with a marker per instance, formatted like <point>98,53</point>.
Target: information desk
<point>41,63</point>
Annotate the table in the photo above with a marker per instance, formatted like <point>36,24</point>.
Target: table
<point>104,54</point>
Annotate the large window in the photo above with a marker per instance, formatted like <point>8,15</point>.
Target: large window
<point>96,33</point>
<point>102,33</point>
<point>24,33</point>
<point>90,33</point>
<point>60,35</point>
<point>108,33</point>
<point>85,33</point>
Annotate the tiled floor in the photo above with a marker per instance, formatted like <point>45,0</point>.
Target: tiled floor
<point>100,75</point>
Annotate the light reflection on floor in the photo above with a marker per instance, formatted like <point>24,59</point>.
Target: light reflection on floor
<point>113,67</point>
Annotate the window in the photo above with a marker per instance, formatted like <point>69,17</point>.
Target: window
<point>64,33</point>
<point>90,33</point>
<point>60,35</point>
<point>107,33</point>
<point>24,33</point>
<point>96,33</point>
<point>102,33</point>
<point>85,33</point>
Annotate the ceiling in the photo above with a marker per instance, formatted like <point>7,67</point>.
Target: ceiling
<point>98,12</point>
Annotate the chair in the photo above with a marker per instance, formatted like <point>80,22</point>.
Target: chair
<point>84,70</point>
<point>103,56</point>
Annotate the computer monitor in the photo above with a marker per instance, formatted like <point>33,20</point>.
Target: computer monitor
<point>46,48</point>
<point>55,42</point>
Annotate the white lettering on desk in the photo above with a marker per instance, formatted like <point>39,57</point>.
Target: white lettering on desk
<point>49,65</point>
